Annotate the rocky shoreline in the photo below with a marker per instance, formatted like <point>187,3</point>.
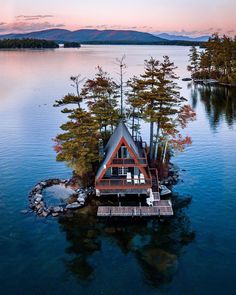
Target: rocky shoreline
<point>79,196</point>
<point>76,200</point>
<point>173,175</point>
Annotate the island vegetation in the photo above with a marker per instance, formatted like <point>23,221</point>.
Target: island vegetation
<point>93,112</point>
<point>216,61</point>
<point>71,44</point>
<point>27,43</point>
<point>130,42</point>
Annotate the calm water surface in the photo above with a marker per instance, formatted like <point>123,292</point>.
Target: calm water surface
<point>194,253</point>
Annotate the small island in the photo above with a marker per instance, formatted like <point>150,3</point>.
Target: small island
<point>102,140</point>
<point>215,64</point>
<point>71,44</point>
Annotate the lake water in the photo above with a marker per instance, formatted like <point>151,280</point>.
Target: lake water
<point>193,253</point>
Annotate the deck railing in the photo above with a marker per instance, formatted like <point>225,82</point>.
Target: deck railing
<point>124,182</point>
<point>128,161</point>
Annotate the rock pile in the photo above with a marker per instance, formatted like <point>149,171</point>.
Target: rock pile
<point>173,176</point>
<point>38,205</point>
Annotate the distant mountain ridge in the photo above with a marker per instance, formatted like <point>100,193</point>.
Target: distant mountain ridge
<point>170,37</point>
<point>88,35</point>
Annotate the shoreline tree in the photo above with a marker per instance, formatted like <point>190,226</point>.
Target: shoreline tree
<point>217,61</point>
<point>100,95</point>
<point>156,94</point>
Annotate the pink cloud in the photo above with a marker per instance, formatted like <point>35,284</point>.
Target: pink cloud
<point>24,26</point>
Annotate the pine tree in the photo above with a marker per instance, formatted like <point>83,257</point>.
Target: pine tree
<point>101,95</point>
<point>71,98</point>
<point>78,144</point>
<point>194,60</point>
<point>134,111</point>
<point>148,85</point>
<point>169,100</point>
<point>217,61</point>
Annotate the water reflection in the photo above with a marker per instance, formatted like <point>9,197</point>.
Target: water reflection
<point>219,103</point>
<point>154,245</point>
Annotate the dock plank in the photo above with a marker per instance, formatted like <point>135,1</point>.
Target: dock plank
<point>161,208</point>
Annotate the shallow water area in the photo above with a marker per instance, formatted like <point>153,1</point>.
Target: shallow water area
<point>57,195</point>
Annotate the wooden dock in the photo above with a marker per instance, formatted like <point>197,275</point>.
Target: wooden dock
<point>161,208</point>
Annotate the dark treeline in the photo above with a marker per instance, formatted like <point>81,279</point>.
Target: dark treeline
<point>71,45</point>
<point>27,43</point>
<point>217,61</point>
<point>166,42</point>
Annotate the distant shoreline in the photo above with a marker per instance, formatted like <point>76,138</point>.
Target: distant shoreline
<point>97,43</point>
<point>167,43</point>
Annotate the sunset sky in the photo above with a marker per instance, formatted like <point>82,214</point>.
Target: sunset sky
<point>186,17</point>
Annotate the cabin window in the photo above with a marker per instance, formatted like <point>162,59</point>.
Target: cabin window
<point>123,153</point>
<point>122,170</point>
<point>114,171</point>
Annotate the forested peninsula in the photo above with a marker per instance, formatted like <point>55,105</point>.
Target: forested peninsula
<point>216,63</point>
<point>27,43</point>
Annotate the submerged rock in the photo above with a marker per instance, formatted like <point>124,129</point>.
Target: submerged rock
<point>24,211</point>
<point>163,262</point>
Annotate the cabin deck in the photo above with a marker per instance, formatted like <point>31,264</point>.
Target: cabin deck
<point>161,208</point>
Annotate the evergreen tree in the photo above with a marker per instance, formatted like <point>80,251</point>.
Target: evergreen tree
<point>148,85</point>
<point>169,100</point>
<point>71,98</point>
<point>194,60</point>
<point>158,99</point>
<point>217,61</point>
<point>101,96</point>
<point>78,144</point>
<point>134,111</point>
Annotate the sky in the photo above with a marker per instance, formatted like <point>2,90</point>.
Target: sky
<point>181,17</point>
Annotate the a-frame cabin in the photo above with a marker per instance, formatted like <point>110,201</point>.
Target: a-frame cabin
<point>124,169</point>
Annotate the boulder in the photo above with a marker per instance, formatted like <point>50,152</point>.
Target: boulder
<point>57,209</point>
<point>38,187</point>
<point>38,206</point>
<point>38,196</point>
<point>74,205</point>
<point>81,200</point>
<point>83,196</point>
<point>40,210</point>
<point>43,183</point>
<point>44,213</point>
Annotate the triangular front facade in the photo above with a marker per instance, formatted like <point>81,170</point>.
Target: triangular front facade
<point>124,169</point>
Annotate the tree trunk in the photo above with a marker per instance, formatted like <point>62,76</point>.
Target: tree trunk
<point>156,142</point>
<point>133,122</point>
<point>151,141</point>
<point>165,150</point>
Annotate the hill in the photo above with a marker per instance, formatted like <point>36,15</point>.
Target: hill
<point>88,36</point>
<point>182,38</point>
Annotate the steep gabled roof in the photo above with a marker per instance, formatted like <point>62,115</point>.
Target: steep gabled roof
<point>120,132</point>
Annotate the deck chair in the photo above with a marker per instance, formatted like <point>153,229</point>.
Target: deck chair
<point>142,179</point>
<point>128,177</point>
<point>136,179</point>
